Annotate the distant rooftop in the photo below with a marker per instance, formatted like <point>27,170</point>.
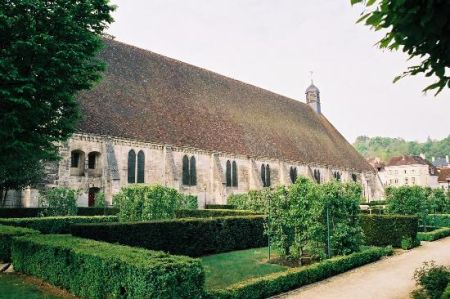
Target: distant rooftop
<point>411,160</point>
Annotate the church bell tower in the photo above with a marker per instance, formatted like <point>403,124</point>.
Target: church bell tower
<point>313,97</point>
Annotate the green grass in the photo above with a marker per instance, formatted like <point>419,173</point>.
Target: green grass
<point>14,287</point>
<point>228,268</point>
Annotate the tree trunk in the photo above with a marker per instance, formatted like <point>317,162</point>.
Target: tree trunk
<point>3,194</point>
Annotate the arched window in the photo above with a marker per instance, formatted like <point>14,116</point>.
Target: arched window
<point>354,177</point>
<point>131,167</point>
<point>337,175</point>
<point>141,167</point>
<point>317,175</point>
<point>234,174</point>
<point>293,174</point>
<point>268,183</point>
<point>185,177</point>
<point>265,175</point>
<point>228,173</point>
<point>189,176</point>
<point>193,172</point>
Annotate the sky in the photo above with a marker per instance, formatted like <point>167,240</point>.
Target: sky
<point>276,44</point>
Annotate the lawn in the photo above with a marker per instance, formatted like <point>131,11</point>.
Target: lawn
<point>228,268</point>
<point>14,286</point>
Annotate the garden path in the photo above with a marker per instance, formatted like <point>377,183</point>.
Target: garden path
<point>391,277</point>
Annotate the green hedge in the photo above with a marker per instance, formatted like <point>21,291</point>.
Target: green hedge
<point>438,220</point>
<point>91,269</point>
<point>446,294</point>
<point>189,236</point>
<point>220,207</point>
<point>56,224</point>
<point>434,235</point>
<point>207,213</point>
<point>383,230</point>
<point>276,283</point>
<point>6,235</point>
<point>35,212</point>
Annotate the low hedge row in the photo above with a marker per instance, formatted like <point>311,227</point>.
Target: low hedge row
<point>383,230</point>
<point>434,234</point>
<point>220,207</point>
<point>6,235</point>
<point>56,224</point>
<point>35,212</point>
<point>206,213</point>
<point>189,236</point>
<point>439,220</point>
<point>92,269</point>
<point>276,283</point>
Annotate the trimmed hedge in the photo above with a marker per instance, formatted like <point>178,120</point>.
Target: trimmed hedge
<point>434,234</point>
<point>92,269</point>
<point>35,212</point>
<point>220,207</point>
<point>276,283</point>
<point>383,230</point>
<point>6,235</point>
<point>207,213</point>
<point>438,220</point>
<point>189,236</point>
<point>56,224</point>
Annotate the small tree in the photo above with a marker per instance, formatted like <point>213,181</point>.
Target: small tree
<point>408,200</point>
<point>59,202</point>
<point>100,200</point>
<point>439,202</point>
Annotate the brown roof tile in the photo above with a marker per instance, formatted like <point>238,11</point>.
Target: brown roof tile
<point>149,97</point>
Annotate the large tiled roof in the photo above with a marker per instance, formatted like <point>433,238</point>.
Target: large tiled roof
<point>149,97</point>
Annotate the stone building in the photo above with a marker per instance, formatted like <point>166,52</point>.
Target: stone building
<point>410,170</point>
<point>156,120</point>
<point>444,178</point>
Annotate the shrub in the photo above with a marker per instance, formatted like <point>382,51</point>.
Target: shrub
<point>57,224</point>
<point>439,202</point>
<point>408,243</point>
<point>91,269</point>
<point>434,235</point>
<point>193,237</point>
<point>432,279</point>
<point>189,202</point>
<point>439,220</point>
<point>383,230</point>
<point>220,207</point>
<point>275,283</point>
<point>254,200</point>
<point>6,235</point>
<point>212,213</point>
<point>59,201</point>
<point>100,200</point>
<point>143,202</point>
<point>35,212</point>
<point>446,293</point>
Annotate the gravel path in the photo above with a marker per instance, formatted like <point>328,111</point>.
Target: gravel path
<point>391,277</point>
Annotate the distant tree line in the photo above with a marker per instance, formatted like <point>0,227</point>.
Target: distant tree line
<point>386,147</point>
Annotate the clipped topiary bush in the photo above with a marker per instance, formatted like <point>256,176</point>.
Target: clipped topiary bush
<point>210,213</point>
<point>220,207</point>
<point>91,269</point>
<point>6,235</point>
<point>193,237</point>
<point>434,234</point>
<point>383,230</point>
<point>36,212</point>
<point>57,224</point>
<point>143,202</point>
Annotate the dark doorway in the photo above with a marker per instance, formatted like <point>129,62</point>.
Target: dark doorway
<point>92,194</point>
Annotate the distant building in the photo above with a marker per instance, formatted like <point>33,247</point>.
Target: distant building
<point>379,166</point>
<point>441,162</point>
<point>410,171</point>
<point>444,178</point>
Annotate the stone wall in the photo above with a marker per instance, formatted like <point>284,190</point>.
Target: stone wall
<point>163,165</point>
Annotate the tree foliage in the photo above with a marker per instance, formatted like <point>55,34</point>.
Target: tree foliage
<point>47,55</point>
<point>59,202</point>
<point>386,147</point>
<point>419,28</point>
